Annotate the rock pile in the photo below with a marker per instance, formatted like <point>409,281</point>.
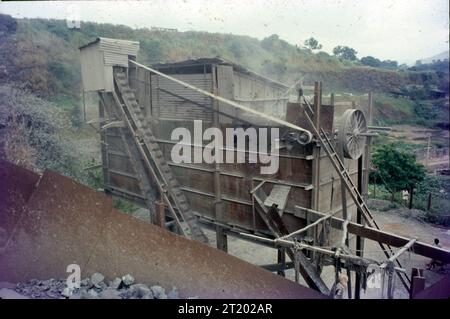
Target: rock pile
<point>94,287</point>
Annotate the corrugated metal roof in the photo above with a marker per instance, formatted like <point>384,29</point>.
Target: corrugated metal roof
<point>221,61</point>
<point>115,45</point>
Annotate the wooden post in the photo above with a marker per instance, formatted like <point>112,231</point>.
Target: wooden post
<point>359,239</point>
<point>391,280</point>
<point>363,188</point>
<point>316,157</point>
<point>429,202</point>
<point>84,107</point>
<point>281,259</point>
<point>132,73</point>
<point>221,237</point>
<point>428,151</point>
<point>367,151</point>
<point>316,150</point>
<point>411,192</point>
<point>160,210</point>
<point>417,282</point>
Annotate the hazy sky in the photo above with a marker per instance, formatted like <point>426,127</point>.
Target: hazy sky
<point>403,30</point>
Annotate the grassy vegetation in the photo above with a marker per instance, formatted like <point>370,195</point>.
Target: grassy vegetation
<point>389,110</point>
<point>438,186</point>
<point>52,50</point>
<point>124,206</point>
<point>44,58</point>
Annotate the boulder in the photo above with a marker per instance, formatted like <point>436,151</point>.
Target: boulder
<point>115,283</point>
<point>141,291</point>
<point>158,292</point>
<point>96,279</point>
<point>128,280</point>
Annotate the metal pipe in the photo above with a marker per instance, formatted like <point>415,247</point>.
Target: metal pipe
<point>224,148</point>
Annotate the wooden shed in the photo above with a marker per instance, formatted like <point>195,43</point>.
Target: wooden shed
<point>98,59</point>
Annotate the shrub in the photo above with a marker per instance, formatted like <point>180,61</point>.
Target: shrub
<point>32,130</point>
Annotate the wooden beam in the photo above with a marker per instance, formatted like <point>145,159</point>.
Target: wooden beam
<point>291,244</point>
<point>221,237</point>
<point>318,221</point>
<point>403,249</point>
<point>391,239</point>
<point>160,210</point>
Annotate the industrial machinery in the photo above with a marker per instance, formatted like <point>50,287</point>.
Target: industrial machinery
<point>312,209</point>
<point>308,209</point>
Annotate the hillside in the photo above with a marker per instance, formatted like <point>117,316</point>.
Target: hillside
<point>46,54</point>
<point>42,56</point>
<point>438,57</point>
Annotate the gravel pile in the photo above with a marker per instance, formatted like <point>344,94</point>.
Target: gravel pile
<point>94,287</point>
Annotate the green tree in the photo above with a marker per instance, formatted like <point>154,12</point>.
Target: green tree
<point>312,44</point>
<point>389,64</point>
<point>268,43</point>
<point>153,49</point>
<point>371,61</point>
<point>345,52</point>
<point>237,49</point>
<point>398,170</point>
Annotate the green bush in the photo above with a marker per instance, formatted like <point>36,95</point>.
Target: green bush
<point>124,206</point>
<point>39,125</point>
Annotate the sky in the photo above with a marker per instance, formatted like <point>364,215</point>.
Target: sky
<point>401,30</point>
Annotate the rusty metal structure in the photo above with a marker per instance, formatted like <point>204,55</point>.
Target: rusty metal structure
<point>48,222</point>
<point>307,210</point>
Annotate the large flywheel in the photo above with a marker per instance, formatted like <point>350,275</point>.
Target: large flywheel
<point>351,137</point>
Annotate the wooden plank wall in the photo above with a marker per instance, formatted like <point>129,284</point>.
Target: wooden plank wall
<point>167,112</point>
<point>252,92</point>
<point>166,106</point>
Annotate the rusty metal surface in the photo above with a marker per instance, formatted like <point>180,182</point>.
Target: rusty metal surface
<point>65,222</point>
<point>439,290</point>
<point>16,187</point>
<point>60,225</point>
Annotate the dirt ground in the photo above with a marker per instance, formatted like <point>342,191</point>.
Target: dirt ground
<point>391,222</point>
<point>416,134</point>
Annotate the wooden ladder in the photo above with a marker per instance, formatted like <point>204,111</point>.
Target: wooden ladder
<point>154,159</point>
